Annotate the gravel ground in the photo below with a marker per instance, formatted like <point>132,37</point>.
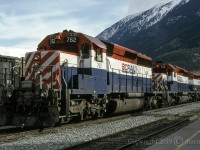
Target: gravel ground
<point>76,135</point>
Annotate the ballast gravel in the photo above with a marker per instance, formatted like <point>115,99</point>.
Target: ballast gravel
<point>76,135</point>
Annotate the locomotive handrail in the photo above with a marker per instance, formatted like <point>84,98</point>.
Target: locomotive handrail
<point>63,65</point>
<point>71,64</point>
<point>80,61</point>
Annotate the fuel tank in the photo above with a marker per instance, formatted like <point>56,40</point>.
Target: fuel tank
<point>183,99</point>
<point>120,106</point>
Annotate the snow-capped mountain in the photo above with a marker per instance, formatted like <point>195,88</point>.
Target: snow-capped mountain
<point>132,24</point>
<point>167,32</point>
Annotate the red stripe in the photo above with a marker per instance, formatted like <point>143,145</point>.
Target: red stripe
<point>29,67</point>
<point>46,57</point>
<point>48,69</point>
<point>55,74</point>
<point>56,86</point>
<point>27,57</point>
<point>156,76</point>
<point>43,60</point>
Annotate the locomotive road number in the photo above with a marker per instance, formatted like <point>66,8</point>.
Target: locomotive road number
<point>71,40</point>
<point>99,65</point>
<point>52,41</point>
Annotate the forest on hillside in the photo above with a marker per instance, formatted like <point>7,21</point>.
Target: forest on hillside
<point>185,58</point>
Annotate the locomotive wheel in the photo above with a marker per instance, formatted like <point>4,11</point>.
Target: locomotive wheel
<point>171,101</point>
<point>59,123</point>
<point>2,116</point>
<point>95,115</point>
<point>52,119</point>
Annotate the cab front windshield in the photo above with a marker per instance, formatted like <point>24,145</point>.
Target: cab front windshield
<point>69,47</point>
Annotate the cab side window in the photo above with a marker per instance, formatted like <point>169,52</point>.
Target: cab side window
<point>169,73</point>
<point>85,53</point>
<point>99,55</point>
<point>174,74</point>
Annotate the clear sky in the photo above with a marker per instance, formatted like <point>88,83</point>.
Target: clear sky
<point>24,23</point>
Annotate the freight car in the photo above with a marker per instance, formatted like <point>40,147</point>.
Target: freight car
<point>8,66</point>
<point>73,75</point>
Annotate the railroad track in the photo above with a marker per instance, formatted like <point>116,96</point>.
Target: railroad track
<point>8,134</point>
<point>14,134</point>
<point>134,138</point>
<point>143,141</point>
<point>8,129</point>
<point>170,107</point>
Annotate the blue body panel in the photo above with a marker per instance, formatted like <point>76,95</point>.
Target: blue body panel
<point>179,87</point>
<point>192,87</point>
<point>98,81</point>
<point>129,84</point>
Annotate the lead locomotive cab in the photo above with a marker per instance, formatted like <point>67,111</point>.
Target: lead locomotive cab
<point>87,82</point>
<point>91,69</point>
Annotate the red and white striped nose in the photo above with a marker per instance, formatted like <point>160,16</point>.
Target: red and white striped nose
<point>48,63</point>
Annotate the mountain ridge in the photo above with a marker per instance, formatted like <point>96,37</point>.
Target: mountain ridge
<point>162,29</point>
<point>134,23</point>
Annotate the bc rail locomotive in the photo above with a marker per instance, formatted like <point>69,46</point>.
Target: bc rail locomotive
<point>73,75</point>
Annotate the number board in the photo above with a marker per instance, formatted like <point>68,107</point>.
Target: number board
<point>71,38</point>
<point>52,41</point>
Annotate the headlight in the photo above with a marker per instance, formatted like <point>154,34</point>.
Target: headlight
<point>37,57</point>
<point>35,64</point>
<point>43,94</point>
<point>8,94</point>
<point>38,71</point>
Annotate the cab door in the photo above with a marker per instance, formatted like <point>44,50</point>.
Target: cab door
<point>99,69</point>
<point>85,58</point>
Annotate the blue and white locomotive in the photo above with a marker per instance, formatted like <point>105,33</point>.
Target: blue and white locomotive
<point>180,85</point>
<point>76,76</point>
